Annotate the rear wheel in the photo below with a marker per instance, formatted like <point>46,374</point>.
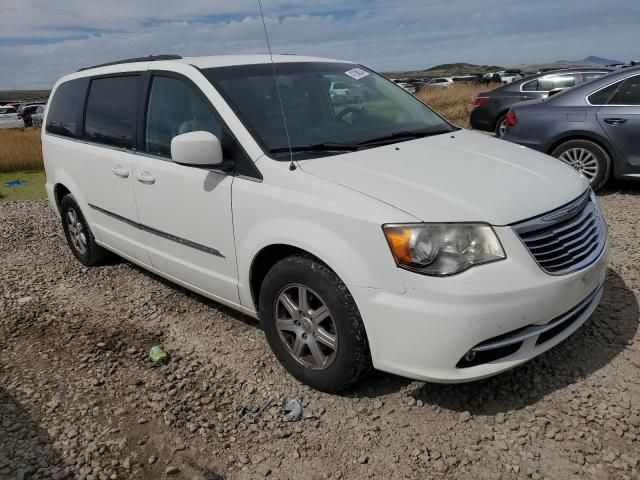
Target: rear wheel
<point>588,158</point>
<point>313,325</point>
<point>79,237</point>
<point>501,126</point>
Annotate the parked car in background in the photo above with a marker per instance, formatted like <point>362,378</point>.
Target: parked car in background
<point>409,87</point>
<point>491,77</point>
<point>510,77</point>
<point>491,107</point>
<point>440,82</point>
<point>376,234</point>
<point>595,127</point>
<point>9,117</point>
<point>27,112</point>
<point>36,117</point>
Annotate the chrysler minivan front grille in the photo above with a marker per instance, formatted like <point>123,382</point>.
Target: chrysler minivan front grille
<point>567,239</point>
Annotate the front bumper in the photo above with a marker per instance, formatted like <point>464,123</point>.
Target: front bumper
<point>425,333</point>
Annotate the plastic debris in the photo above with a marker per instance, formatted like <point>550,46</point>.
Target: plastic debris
<point>157,355</point>
<point>15,183</point>
<point>256,412</point>
<point>295,411</point>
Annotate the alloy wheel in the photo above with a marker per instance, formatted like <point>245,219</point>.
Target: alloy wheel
<point>306,327</point>
<point>76,231</point>
<point>502,129</point>
<point>582,160</point>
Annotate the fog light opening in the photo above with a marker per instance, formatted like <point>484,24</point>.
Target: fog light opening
<point>470,356</point>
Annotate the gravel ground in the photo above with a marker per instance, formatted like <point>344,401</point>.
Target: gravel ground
<point>79,399</point>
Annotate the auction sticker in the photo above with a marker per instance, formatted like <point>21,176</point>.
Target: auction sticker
<point>357,73</point>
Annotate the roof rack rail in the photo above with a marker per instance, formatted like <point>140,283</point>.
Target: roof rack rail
<point>150,58</point>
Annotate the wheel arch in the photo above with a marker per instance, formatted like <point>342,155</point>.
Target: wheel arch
<point>59,191</point>
<point>64,184</point>
<point>588,136</point>
<point>266,258</point>
<point>580,136</point>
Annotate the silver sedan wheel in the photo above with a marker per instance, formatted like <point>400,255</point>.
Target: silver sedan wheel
<point>582,160</point>
<point>306,327</point>
<point>76,231</point>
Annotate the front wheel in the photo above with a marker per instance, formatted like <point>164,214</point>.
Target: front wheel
<point>588,158</point>
<point>313,325</point>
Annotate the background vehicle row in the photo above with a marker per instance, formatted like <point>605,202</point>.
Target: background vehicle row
<point>594,127</point>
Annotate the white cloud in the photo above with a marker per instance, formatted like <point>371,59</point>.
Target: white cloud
<point>43,39</point>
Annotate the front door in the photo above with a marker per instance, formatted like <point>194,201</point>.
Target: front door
<point>185,212</point>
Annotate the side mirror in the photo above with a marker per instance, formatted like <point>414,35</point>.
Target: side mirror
<point>554,91</point>
<point>198,149</point>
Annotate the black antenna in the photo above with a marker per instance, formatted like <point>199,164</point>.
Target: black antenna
<point>292,165</point>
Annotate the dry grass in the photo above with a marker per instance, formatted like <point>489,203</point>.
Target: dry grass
<point>455,102</point>
<point>20,149</point>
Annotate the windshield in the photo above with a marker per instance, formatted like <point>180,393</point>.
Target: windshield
<point>327,106</point>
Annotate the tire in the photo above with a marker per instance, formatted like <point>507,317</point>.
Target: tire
<point>497,130</point>
<point>585,156</point>
<point>79,236</point>
<point>344,366</point>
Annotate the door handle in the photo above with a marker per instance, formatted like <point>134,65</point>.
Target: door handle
<point>615,121</point>
<point>118,171</point>
<point>145,177</point>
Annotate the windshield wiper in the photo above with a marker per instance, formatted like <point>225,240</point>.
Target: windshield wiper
<point>316,147</point>
<point>402,135</point>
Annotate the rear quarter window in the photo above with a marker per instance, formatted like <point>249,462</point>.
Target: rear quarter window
<point>65,111</point>
<point>602,96</point>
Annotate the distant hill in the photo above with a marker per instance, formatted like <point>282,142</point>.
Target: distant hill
<point>591,60</point>
<point>444,70</point>
<point>462,67</point>
<point>22,95</point>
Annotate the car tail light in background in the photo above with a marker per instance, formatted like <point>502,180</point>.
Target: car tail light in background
<point>511,118</point>
<point>480,101</point>
<point>19,117</point>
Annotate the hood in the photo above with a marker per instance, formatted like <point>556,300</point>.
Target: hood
<point>460,177</point>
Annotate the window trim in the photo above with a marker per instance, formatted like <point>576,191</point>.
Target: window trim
<point>621,81</point>
<point>253,171</point>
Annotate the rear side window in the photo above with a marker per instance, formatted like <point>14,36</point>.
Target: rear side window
<point>601,97</point>
<point>112,108</point>
<point>546,84</point>
<point>175,108</point>
<point>628,93</point>
<point>588,76</point>
<point>7,110</point>
<point>65,112</point>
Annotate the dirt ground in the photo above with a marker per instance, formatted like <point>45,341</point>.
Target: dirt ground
<point>80,399</point>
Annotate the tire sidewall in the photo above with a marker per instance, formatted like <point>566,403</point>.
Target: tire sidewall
<point>603,159</point>
<point>323,281</point>
<point>92,253</point>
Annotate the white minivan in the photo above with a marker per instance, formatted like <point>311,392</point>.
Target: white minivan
<point>373,234</point>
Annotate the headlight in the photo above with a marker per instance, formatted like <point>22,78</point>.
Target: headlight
<point>441,248</point>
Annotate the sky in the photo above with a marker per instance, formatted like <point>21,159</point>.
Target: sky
<point>41,40</point>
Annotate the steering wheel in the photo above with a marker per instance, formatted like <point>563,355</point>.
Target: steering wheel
<point>347,111</point>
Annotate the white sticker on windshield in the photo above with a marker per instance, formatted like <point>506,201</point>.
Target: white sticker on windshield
<point>357,73</point>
